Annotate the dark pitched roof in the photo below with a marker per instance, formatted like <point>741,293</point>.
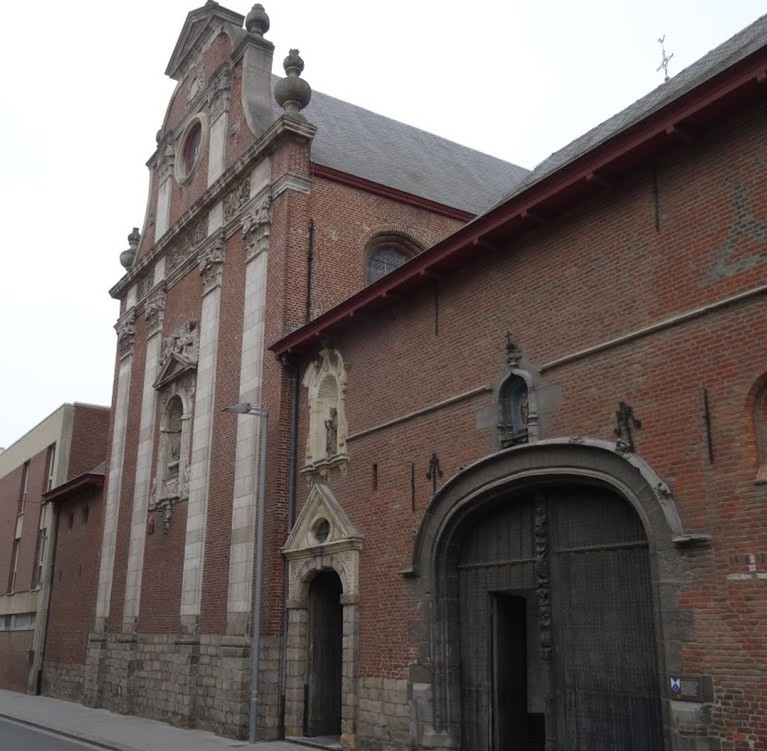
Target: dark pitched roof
<point>728,77</point>
<point>362,143</point>
<point>717,60</point>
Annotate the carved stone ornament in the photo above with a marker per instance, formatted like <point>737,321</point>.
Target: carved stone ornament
<point>154,311</point>
<point>322,538</point>
<point>126,333</point>
<point>186,245</point>
<point>219,94</point>
<point>543,586</point>
<point>255,228</point>
<point>236,199</point>
<point>211,265</point>
<point>196,85</point>
<point>179,354</point>
<point>144,284</point>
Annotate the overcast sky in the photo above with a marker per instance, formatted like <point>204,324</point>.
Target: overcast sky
<point>84,93</point>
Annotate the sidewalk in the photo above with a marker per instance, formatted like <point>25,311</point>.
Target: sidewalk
<point>116,731</point>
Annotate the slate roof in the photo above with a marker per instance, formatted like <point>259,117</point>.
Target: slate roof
<point>736,48</point>
<point>362,143</point>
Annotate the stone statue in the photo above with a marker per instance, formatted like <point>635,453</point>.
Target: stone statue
<point>331,428</point>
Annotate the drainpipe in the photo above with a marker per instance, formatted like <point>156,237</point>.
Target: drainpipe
<point>292,461</point>
<point>309,265</point>
<point>35,681</point>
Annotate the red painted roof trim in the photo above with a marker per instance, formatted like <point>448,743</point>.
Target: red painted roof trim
<point>706,103</point>
<point>64,492</point>
<point>352,181</point>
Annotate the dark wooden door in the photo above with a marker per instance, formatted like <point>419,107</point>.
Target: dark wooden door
<point>602,665</point>
<point>323,715</point>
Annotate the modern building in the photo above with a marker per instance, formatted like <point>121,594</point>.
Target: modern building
<point>65,444</point>
<point>415,449</point>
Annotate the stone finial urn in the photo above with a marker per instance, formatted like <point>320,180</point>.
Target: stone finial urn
<point>257,22</point>
<point>127,257</point>
<point>293,93</point>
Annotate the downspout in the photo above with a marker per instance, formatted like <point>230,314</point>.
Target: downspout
<point>309,268</point>
<point>35,680</point>
<point>292,461</point>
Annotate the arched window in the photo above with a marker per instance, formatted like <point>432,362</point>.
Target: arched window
<point>384,260</point>
<point>514,409</point>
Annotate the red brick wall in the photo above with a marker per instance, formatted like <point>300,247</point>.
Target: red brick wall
<point>14,668</point>
<point>345,221</point>
<point>90,435</point>
<point>598,272</point>
<point>75,577</point>
<point>215,583</point>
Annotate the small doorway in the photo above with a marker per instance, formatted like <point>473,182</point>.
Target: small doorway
<point>323,701</point>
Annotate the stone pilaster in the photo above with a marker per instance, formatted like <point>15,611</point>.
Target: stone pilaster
<point>154,312</point>
<point>126,331</point>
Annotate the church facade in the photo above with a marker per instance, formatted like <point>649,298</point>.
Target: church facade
<point>492,472</point>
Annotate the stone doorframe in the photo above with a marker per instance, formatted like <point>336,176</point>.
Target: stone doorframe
<point>323,539</point>
<point>435,679</point>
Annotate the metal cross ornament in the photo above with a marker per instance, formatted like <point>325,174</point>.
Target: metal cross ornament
<point>666,58</point>
<point>626,421</point>
<point>434,472</point>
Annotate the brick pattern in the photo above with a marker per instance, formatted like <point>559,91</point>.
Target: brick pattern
<point>598,272</point>
<point>384,714</point>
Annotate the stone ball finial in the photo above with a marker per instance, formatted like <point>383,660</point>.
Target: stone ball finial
<point>293,93</point>
<point>257,22</point>
<point>128,256</point>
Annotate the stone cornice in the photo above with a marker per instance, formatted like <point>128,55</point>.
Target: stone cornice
<point>285,127</point>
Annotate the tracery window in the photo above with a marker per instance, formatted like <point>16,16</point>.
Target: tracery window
<point>383,261</point>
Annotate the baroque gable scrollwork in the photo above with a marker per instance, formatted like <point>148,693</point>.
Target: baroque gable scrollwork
<point>211,265</point>
<point>255,228</point>
<point>183,344</point>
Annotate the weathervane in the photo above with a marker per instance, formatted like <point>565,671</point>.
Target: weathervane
<point>666,58</point>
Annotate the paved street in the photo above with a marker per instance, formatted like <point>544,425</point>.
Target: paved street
<point>14,736</point>
<point>39,723</point>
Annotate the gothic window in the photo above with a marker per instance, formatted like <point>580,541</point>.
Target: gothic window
<point>386,253</point>
<point>383,261</point>
<point>325,380</point>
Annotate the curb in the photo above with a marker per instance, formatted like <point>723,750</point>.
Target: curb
<point>65,734</point>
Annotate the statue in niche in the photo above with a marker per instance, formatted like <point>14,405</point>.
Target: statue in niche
<point>515,411</point>
<point>331,429</point>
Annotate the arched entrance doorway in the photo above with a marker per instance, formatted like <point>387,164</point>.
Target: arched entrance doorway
<point>325,659</point>
<point>556,623</point>
<point>577,551</point>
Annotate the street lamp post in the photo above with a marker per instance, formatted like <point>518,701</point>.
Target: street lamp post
<point>245,408</point>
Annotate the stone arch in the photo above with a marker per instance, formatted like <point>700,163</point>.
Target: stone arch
<point>576,460</point>
<point>323,539</point>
